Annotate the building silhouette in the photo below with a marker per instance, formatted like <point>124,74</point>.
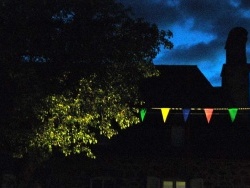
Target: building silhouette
<point>177,152</point>
<point>235,72</point>
<point>187,86</point>
<point>189,153</point>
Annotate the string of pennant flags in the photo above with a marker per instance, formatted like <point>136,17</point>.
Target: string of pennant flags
<point>187,111</point>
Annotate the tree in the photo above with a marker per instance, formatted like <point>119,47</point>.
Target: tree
<point>75,69</point>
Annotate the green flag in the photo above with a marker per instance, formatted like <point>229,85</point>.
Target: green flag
<point>232,113</point>
<point>143,113</point>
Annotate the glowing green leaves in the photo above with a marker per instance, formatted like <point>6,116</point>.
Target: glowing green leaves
<point>73,121</point>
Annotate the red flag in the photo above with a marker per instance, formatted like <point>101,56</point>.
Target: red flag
<point>208,112</point>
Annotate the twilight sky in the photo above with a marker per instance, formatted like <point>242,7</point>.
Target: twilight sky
<point>200,29</point>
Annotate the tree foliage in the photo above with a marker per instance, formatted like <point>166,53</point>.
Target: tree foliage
<point>71,70</point>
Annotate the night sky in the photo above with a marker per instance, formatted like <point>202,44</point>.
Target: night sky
<point>200,29</point>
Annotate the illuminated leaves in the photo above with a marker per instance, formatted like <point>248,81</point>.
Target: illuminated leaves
<point>73,121</point>
<point>78,104</point>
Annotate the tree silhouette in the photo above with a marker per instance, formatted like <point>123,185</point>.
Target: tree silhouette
<point>71,71</point>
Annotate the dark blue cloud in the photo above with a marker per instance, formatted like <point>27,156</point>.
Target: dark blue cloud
<point>192,54</point>
<point>200,29</point>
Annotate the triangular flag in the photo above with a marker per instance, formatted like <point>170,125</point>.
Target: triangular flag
<point>185,112</point>
<point>233,112</point>
<point>143,113</point>
<point>208,112</point>
<point>165,112</point>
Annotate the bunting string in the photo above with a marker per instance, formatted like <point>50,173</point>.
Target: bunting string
<point>208,112</point>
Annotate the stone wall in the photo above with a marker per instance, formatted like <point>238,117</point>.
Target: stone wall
<point>216,173</point>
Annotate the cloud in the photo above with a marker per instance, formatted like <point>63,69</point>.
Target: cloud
<point>209,16</point>
<point>209,57</point>
<point>200,29</point>
<point>245,3</point>
<point>191,54</point>
<point>160,12</point>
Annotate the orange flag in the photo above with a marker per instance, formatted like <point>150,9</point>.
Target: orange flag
<point>208,112</point>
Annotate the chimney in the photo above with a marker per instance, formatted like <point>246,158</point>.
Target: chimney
<point>235,72</point>
<point>236,46</point>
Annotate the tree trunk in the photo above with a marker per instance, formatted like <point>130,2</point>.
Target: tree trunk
<point>26,173</point>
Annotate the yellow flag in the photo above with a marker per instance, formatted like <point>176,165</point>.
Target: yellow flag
<point>165,112</point>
